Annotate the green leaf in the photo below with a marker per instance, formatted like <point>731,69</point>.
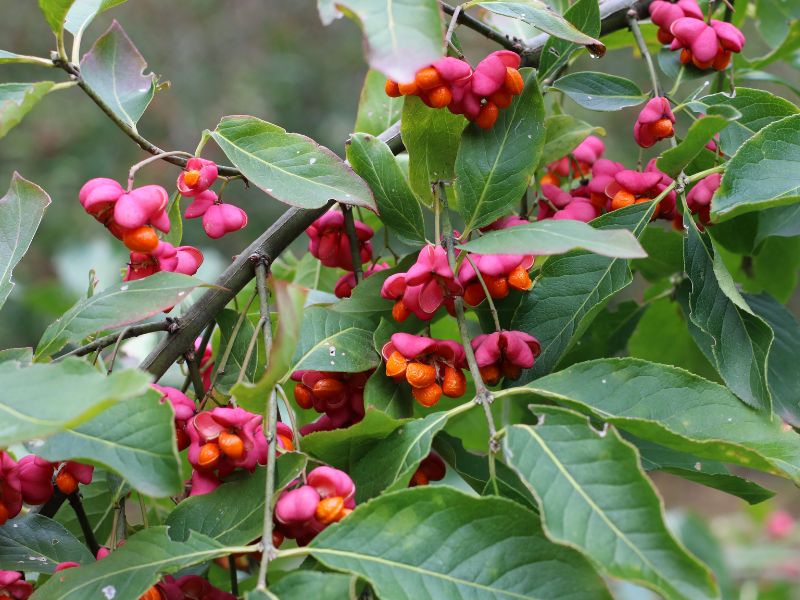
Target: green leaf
<point>674,408</point>
<point>133,568</point>
<point>608,335</point>
<point>99,499</point>
<point>290,167</point>
<point>783,384</point>
<point>494,166</point>
<point>116,306</point>
<point>474,470</point>
<point>21,211</point>
<point>442,543</point>
<point>135,439</point>
<point>710,473</point>
<point>400,38</point>
<point>399,208</point>
<point>785,50</point>
<point>572,289</point>
<point>175,234</point>
<point>663,320</point>
<point>303,585</point>
<point>739,340</point>
<point>758,108</point>
<point>114,69</point>
<point>290,300</point>
<point>331,341</point>
<point>664,249</point>
<point>542,17</point>
<point>765,171</point>
<point>379,453</point>
<point>431,138</point>
<point>675,160</point>
<point>229,373</point>
<point>35,543</point>
<point>600,91</point>
<point>781,221</point>
<point>83,12</point>
<point>594,497</point>
<point>43,399</point>
<point>545,238</point>
<point>376,111</point>
<point>382,393</point>
<point>24,356</point>
<point>563,133</point>
<point>585,16</point>
<point>242,521</point>
<point>16,101</point>
<point>55,11</point>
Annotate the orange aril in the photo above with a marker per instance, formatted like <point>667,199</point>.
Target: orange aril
<point>396,364</point>
<point>427,396</point>
<point>513,82</point>
<point>440,97</point>
<point>408,89</point>
<point>663,128</point>
<point>392,89</point>
<point>420,375</point>
<point>286,442</point>
<point>490,374</point>
<point>550,179</point>
<point>329,510</point>
<point>622,199</point>
<point>328,389</point>
<point>142,239</point>
<point>497,286</point>
<point>209,456</point>
<point>487,116</point>
<point>303,396</point>
<point>419,478</point>
<point>519,279</point>
<point>191,177</point>
<point>501,98</point>
<point>400,312</point>
<point>454,383</point>
<point>511,371</point>
<point>428,78</point>
<point>66,483</point>
<point>474,294</point>
<point>231,445</point>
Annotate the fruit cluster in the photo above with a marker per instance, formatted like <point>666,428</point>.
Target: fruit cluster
<point>431,367</point>
<point>338,396</point>
<point>304,510</point>
<point>33,481</point>
<point>704,44</point>
<point>477,94</point>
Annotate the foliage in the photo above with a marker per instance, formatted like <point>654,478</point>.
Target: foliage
<point>447,396</point>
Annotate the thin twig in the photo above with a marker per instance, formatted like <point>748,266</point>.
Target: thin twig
<point>483,395</point>
<point>234,575</point>
<point>147,161</point>
<point>195,376</point>
<point>86,527</point>
<point>453,22</point>
<point>113,338</point>
<point>113,358</point>
<point>200,351</point>
<point>352,236</point>
<point>513,44</point>
<point>633,23</point>
<point>268,552</point>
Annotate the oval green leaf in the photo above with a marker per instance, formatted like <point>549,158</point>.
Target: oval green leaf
<point>600,91</point>
<point>595,497</point>
<point>289,167</point>
<point>35,543</point>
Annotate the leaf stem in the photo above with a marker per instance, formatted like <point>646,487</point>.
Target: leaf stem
<point>268,552</point>
<point>222,364</point>
<point>633,22</point>
<point>196,377</point>
<point>355,253</point>
<point>113,358</point>
<point>74,500</point>
<point>453,22</point>
<point>489,299</point>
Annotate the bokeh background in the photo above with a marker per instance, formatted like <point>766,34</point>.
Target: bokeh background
<point>272,59</point>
